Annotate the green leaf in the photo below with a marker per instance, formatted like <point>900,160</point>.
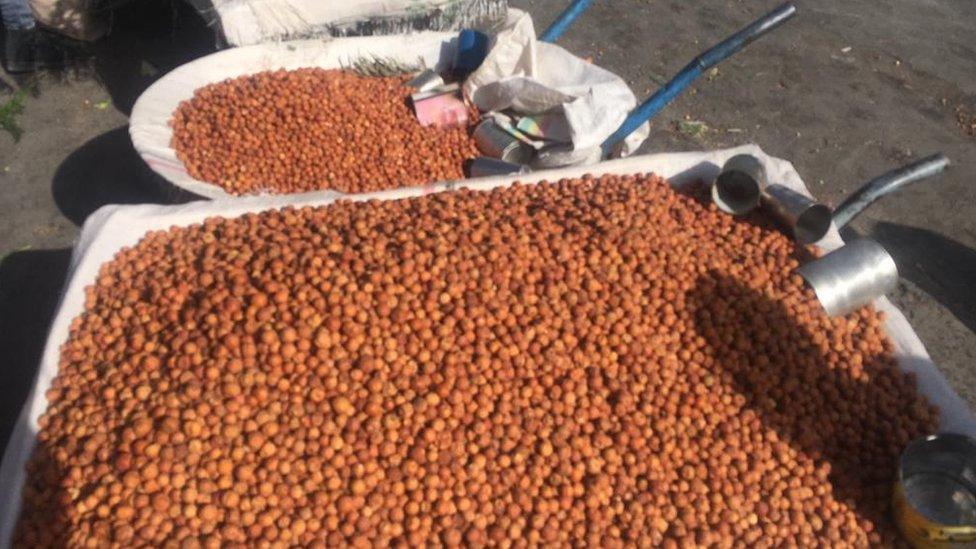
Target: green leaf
<point>693,128</point>
<point>9,111</point>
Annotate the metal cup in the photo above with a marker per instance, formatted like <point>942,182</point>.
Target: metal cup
<point>935,498</point>
<point>426,80</point>
<point>804,218</point>
<point>851,277</point>
<point>453,89</point>
<point>739,186</point>
<point>495,142</point>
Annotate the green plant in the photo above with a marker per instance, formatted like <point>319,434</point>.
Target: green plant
<point>692,128</point>
<point>10,110</point>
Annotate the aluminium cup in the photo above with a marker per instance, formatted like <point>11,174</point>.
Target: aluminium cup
<point>738,188</point>
<point>851,276</point>
<point>805,219</point>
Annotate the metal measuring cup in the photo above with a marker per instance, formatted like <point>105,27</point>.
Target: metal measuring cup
<point>851,276</point>
<point>738,187</point>
<point>805,219</point>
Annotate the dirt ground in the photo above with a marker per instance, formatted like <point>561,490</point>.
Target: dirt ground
<point>848,90</point>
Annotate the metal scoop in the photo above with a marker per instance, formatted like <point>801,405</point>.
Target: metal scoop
<point>854,275</point>
<point>739,186</point>
<point>805,219</point>
<point>742,185</point>
<point>851,276</point>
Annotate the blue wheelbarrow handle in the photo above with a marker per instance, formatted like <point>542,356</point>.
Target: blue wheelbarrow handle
<point>718,53</point>
<point>565,19</point>
<point>887,184</point>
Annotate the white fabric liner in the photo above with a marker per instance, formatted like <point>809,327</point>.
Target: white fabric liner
<point>149,124</point>
<point>113,227</point>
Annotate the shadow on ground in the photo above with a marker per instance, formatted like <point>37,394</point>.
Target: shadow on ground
<point>30,289</point>
<point>942,267</point>
<point>148,39</point>
<point>107,170</point>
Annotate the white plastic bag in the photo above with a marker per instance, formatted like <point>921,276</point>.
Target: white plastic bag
<point>113,227</point>
<point>532,77</point>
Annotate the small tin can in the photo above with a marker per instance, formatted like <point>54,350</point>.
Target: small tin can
<point>427,80</point>
<point>495,142</point>
<point>935,497</point>
<point>446,89</point>
<point>804,218</point>
<point>738,188</point>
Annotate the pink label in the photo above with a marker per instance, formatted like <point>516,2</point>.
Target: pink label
<point>441,111</point>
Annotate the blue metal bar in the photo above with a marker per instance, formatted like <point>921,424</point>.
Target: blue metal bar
<point>565,19</point>
<point>725,49</point>
<point>887,184</point>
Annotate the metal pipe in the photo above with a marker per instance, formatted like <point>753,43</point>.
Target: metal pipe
<point>564,20</point>
<point>484,166</point>
<point>723,50</point>
<point>887,184</point>
<point>851,276</point>
<point>806,219</point>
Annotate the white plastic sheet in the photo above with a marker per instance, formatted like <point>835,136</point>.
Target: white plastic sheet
<point>113,227</point>
<point>532,77</point>
<point>248,22</point>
